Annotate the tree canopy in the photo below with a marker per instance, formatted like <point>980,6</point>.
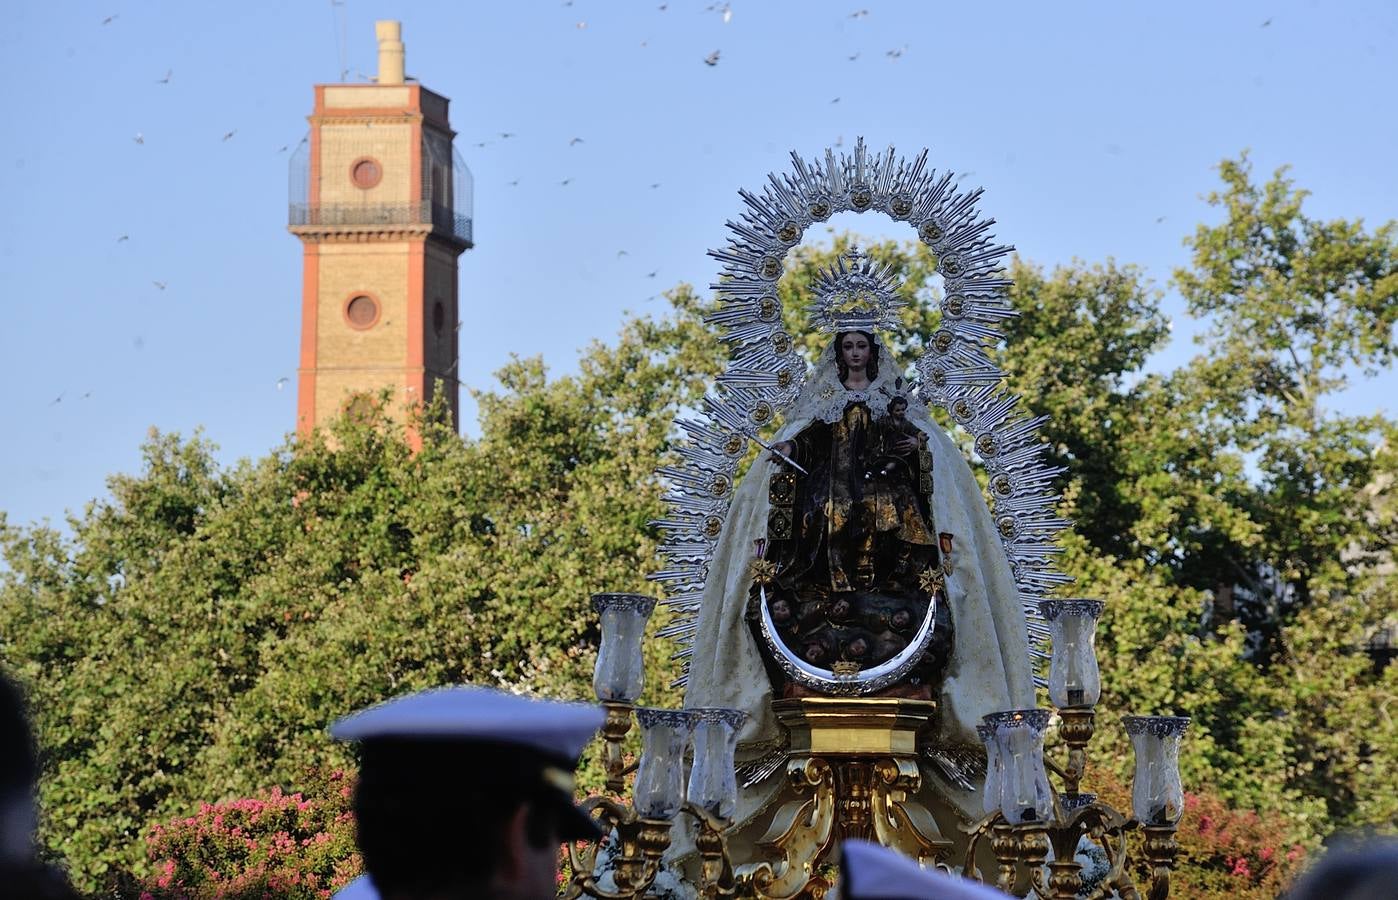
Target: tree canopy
<point>192,635</point>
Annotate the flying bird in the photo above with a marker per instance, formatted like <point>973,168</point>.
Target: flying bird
<point>166,79</point>
<point>506,135</point>
<point>727,13</point>
<point>110,19</point>
<point>711,59</point>
<point>565,182</point>
<point>124,237</point>
<point>854,57</point>
<point>159,284</point>
<point>229,135</point>
<point>581,25</point>
<point>621,253</point>
<point>1265,24</point>
<point>57,400</point>
<point>514,183</point>
<point>85,396</point>
<point>836,100</point>
<point>664,6</point>
<point>894,54</point>
<point>859,14</point>
<point>483,144</point>
<point>575,141</point>
<point>653,274</point>
<point>281,382</point>
<point>1159,219</point>
<point>283,149</point>
<point>139,138</point>
<point>654,186</point>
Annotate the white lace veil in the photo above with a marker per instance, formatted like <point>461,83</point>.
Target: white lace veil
<point>823,398</point>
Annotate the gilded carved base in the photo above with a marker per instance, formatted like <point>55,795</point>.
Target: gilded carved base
<point>853,769</point>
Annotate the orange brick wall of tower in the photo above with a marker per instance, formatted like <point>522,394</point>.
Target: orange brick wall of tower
<point>358,242</point>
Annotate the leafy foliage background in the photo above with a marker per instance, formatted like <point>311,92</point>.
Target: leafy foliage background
<point>192,635</point>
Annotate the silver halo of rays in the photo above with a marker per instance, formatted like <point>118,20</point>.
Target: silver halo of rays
<point>765,372</point>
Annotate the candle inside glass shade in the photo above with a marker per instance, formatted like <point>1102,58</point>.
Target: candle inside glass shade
<point>1157,796</point>
<point>1073,676</point>
<point>620,671</point>
<point>713,785</point>
<point>990,799</point>
<point>1025,795</point>
<point>660,776</point>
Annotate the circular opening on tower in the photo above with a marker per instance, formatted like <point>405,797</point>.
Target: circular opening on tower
<point>361,311</point>
<point>366,172</point>
<point>439,317</point>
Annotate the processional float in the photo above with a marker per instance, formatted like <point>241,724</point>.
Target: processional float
<point>867,623</point>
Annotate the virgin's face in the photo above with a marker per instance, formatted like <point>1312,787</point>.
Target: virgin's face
<point>854,350</point>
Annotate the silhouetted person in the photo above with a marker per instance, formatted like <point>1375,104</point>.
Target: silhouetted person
<point>22,875</point>
<point>1354,871</point>
<point>466,792</point>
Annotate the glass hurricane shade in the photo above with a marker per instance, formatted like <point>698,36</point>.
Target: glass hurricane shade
<point>1023,785</point>
<point>1073,676</point>
<point>713,785</point>
<point>990,797</point>
<point>620,672</point>
<point>659,784</point>
<point>1157,797</point>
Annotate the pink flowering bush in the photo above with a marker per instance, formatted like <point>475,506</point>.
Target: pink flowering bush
<point>274,845</point>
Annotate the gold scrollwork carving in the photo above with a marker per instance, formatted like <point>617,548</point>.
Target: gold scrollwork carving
<point>901,822</point>
<point>801,832</point>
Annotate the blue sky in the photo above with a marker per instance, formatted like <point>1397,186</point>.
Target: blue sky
<point>1094,128</point>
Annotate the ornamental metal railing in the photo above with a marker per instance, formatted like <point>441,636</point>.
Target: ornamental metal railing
<point>444,198</point>
<point>444,220</point>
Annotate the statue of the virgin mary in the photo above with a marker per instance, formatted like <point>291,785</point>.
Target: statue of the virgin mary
<point>863,518</point>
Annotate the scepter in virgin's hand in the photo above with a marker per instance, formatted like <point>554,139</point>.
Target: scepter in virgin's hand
<point>780,455</point>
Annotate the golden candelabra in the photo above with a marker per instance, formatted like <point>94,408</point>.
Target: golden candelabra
<point>852,769</point>
<point>1022,850</point>
<point>641,844</point>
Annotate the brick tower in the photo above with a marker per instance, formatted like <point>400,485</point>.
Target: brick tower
<point>382,205</point>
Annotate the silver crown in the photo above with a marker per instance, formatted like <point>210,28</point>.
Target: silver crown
<point>855,294</point>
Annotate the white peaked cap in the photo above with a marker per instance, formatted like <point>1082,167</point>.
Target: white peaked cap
<point>359,889</point>
<point>469,713</point>
<point>873,872</point>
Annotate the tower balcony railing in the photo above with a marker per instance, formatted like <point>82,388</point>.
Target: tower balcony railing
<point>446,222</point>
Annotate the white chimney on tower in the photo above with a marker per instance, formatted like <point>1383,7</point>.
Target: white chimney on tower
<point>390,35</point>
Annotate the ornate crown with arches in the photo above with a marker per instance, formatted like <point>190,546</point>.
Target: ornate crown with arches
<point>857,293</point>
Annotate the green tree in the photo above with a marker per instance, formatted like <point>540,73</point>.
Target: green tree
<point>192,638</point>
<point>1295,305</point>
